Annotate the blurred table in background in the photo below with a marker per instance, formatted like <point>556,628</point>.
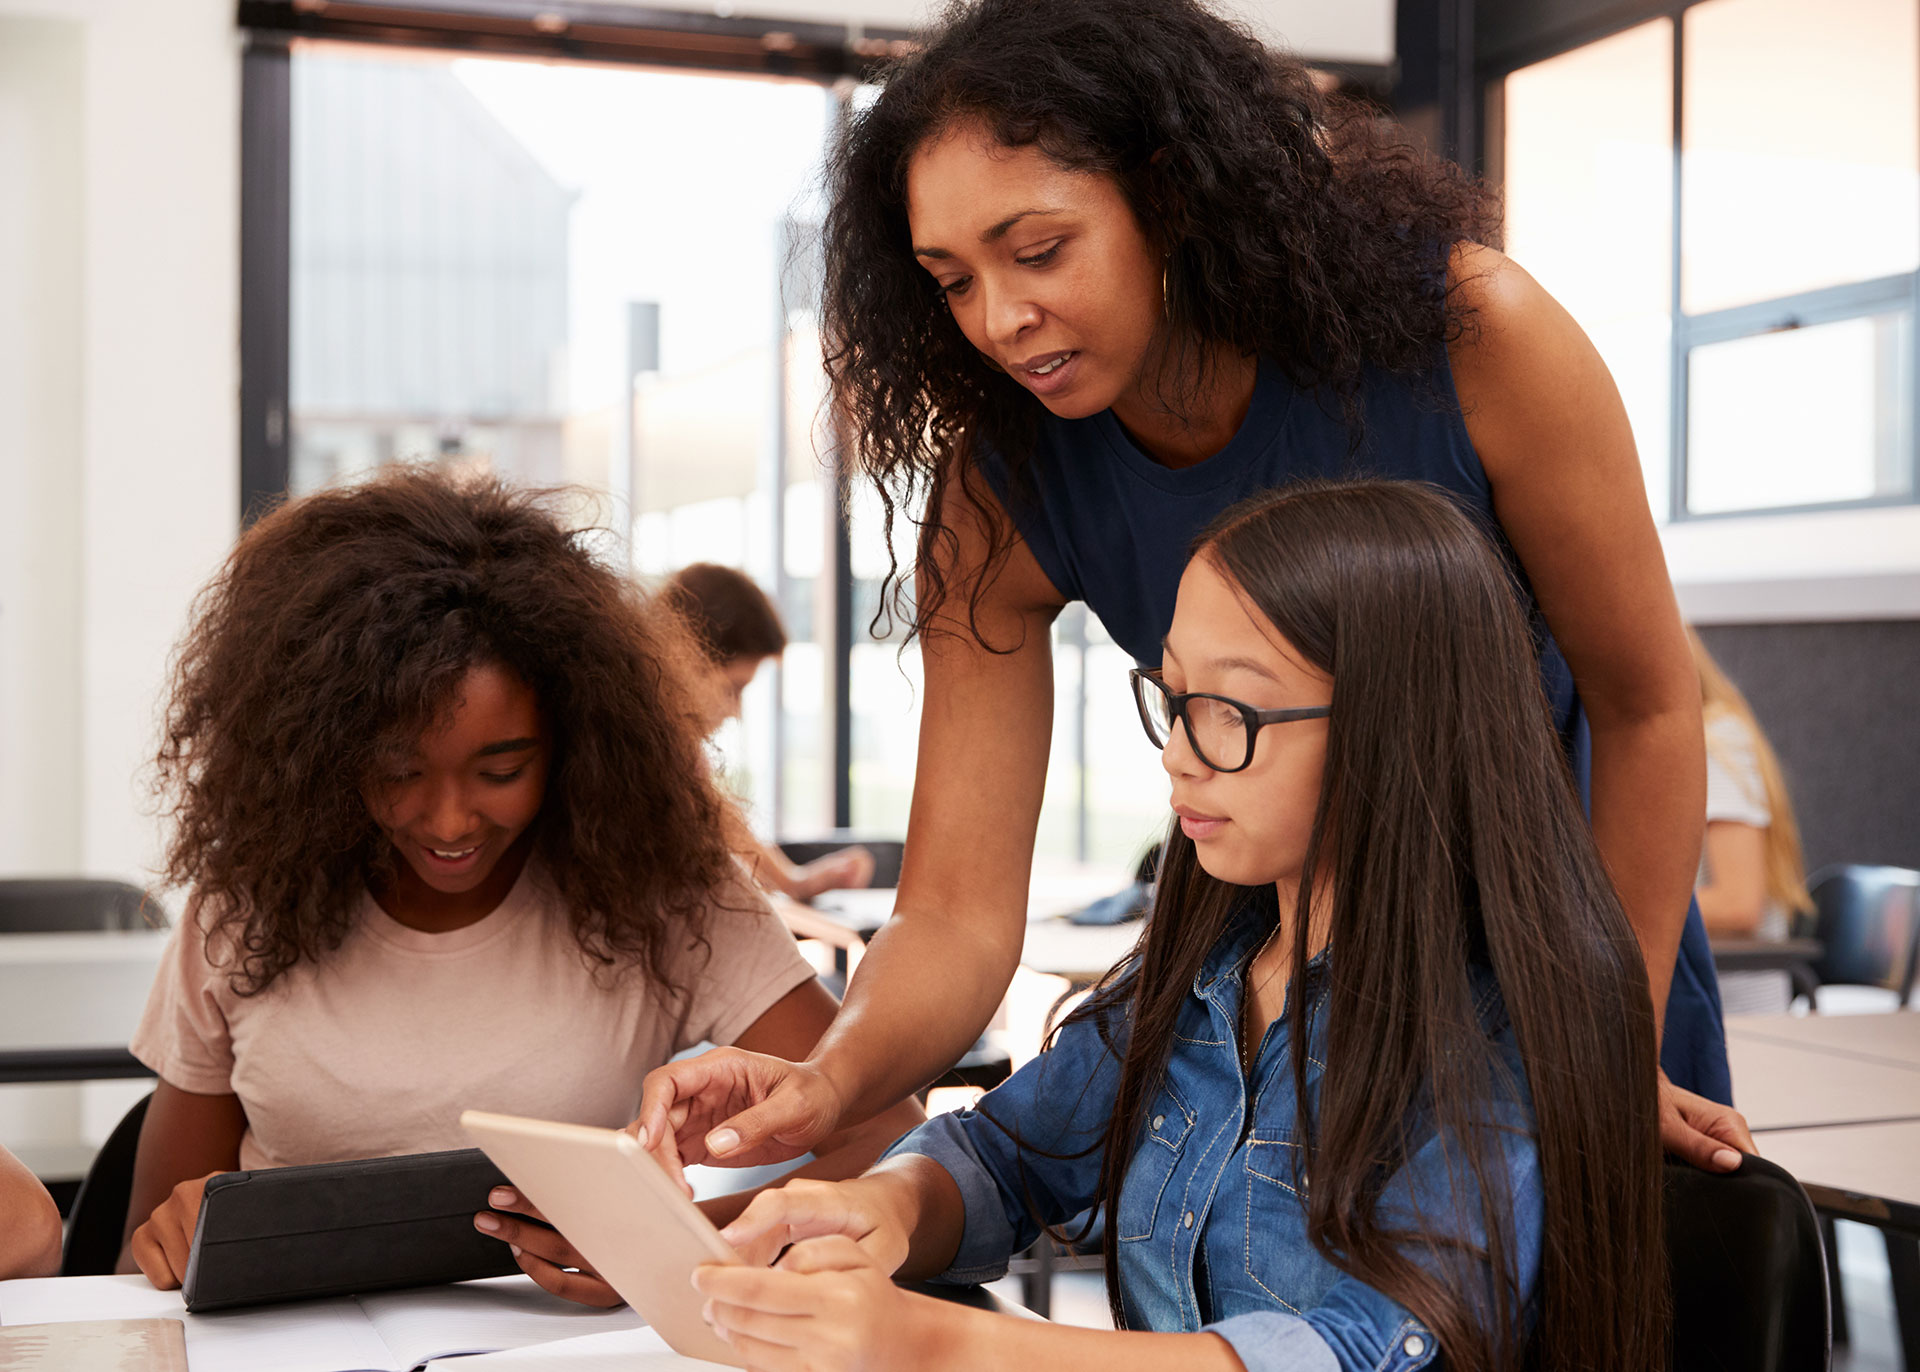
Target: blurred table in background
<point>70,1002</point>
<point>1892,1039</point>
<point>1080,953</point>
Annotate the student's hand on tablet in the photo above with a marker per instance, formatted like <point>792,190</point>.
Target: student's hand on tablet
<point>160,1246</point>
<point>1705,1133</point>
<point>543,1253</point>
<point>732,1108</point>
<point>826,1308</point>
<point>801,1209</point>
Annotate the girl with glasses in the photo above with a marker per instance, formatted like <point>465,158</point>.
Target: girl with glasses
<point>1376,1088</point>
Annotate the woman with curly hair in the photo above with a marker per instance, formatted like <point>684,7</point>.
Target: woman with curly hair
<point>1095,270</point>
<point>439,800</point>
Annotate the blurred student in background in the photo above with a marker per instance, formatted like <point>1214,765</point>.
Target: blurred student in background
<point>29,1223</point>
<point>1751,877</point>
<point>741,630</point>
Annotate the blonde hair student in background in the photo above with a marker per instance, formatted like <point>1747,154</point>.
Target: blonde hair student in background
<point>1751,876</point>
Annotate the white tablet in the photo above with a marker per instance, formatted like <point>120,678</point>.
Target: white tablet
<point>613,1202</point>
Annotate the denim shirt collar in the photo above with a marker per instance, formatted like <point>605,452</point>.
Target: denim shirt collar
<point>1247,929</point>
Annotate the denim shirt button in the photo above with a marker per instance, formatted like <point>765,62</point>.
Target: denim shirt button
<point>1188,1221</point>
<point>1414,1346</point>
<point>1158,1120</point>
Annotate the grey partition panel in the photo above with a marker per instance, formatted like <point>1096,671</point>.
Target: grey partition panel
<point>1841,703</point>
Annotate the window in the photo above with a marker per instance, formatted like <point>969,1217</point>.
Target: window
<point>1588,162</point>
<point>1765,349</point>
<point>1105,797</point>
<point>504,264</point>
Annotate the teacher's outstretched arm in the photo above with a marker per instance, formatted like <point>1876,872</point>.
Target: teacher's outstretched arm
<point>932,978</point>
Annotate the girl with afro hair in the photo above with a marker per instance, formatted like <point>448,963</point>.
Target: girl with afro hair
<point>439,802</point>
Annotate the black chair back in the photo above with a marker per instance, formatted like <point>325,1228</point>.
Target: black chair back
<point>1748,1269</point>
<point>65,905</point>
<point>1869,920</point>
<point>887,854</point>
<point>99,1219</point>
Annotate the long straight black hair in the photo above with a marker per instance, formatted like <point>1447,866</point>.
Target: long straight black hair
<point>1449,832</point>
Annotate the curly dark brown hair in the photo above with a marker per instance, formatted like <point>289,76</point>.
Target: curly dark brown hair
<point>1297,225</point>
<point>341,628</point>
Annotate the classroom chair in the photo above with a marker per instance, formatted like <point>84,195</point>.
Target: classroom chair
<point>65,905</point>
<point>887,853</point>
<point>1868,919</point>
<point>99,1219</point>
<point>1748,1271</point>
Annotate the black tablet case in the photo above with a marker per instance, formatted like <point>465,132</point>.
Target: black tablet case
<point>290,1233</point>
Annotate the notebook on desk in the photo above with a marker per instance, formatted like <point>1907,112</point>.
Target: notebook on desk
<point>625,1350</point>
<point>392,1331</point>
<point>95,1346</point>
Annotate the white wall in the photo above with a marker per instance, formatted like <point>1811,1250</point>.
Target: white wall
<point>119,150</point>
<point>1798,568</point>
<point>40,455</point>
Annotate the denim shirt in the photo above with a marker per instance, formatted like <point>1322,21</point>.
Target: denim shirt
<point>1211,1228</point>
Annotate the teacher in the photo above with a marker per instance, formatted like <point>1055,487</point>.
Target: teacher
<point>1096,270</point>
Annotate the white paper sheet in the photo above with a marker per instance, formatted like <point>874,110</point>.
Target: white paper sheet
<point>312,1336</point>
<point>631,1350</point>
<point>388,1332</point>
<point>481,1317</point>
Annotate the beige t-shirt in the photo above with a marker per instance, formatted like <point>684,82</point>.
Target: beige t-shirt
<point>377,1049</point>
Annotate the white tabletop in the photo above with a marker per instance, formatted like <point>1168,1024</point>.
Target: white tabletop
<point>1893,1038</point>
<point>1881,1161</point>
<point>1783,1086</point>
<point>75,990</point>
<point>1079,952</point>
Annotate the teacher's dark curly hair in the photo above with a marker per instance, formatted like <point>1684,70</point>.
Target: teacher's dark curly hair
<point>1295,225</point>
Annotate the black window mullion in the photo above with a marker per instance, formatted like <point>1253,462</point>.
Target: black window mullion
<point>266,271</point>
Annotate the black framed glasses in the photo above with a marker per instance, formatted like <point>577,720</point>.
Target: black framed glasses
<point>1220,729</point>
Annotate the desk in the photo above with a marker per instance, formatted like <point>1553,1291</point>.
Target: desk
<point>1079,952</point>
<point>1779,1085</point>
<point>1865,1172</point>
<point>75,990</point>
<point>1868,1173</point>
<point>389,1329</point>
<point>1892,1039</point>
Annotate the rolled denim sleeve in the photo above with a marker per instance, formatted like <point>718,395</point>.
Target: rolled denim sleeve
<point>1269,1341</point>
<point>990,1237</point>
<point>1029,1153</point>
<point>1324,1340</point>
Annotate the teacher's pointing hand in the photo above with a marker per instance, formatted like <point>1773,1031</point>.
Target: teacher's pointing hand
<point>732,1108</point>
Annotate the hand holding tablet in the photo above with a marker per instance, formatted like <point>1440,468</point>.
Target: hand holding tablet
<point>622,1212</point>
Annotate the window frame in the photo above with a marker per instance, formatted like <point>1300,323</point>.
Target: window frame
<point>1826,305</point>
<point>586,32</point>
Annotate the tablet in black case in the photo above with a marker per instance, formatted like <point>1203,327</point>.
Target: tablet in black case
<point>290,1233</point>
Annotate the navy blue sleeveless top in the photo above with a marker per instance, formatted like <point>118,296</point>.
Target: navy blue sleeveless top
<point>1112,527</point>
